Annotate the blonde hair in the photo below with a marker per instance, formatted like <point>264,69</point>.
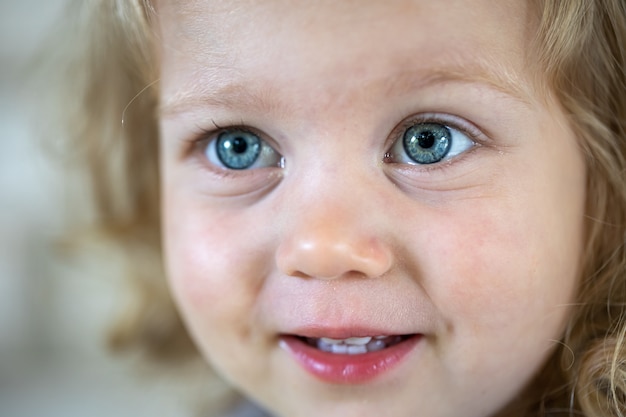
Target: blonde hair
<point>583,56</point>
<point>581,51</point>
<point>109,108</point>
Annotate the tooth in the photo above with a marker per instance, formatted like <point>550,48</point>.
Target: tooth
<point>356,349</point>
<point>324,346</point>
<point>359,341</point>
<point>330,341</point>
<point>375,345</point>
<point>342,349</point>
<point>354,345</point>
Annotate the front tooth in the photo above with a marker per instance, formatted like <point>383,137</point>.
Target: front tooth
<point>356,349</point>
<point>359,341</point>
<point>330,341</point>
<point>341,349</point>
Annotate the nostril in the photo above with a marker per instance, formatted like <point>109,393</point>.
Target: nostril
<point>298,274</point>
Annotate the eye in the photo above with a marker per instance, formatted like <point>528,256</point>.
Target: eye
<point>239,149</point>
<point>429,143</point>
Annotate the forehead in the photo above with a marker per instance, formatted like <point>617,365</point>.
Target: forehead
<point>213,42</point>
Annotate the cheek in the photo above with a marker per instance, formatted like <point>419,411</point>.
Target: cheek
<point>506,274</point>
<point>214,264</point>
<point>477,266</point>
<point>516,264</point>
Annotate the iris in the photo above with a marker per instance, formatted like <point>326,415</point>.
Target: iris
<point>427,143</point>
<point>238,149</point>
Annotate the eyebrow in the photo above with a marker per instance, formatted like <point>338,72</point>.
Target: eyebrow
<point>237,95</point>
<point>229,95</point>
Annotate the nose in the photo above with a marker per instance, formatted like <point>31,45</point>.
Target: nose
<point>331,242</point>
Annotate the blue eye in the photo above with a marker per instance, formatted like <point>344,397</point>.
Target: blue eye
<point>429,143</point>
<point>239,149</point>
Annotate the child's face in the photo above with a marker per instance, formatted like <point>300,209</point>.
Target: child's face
<point>398,175</point>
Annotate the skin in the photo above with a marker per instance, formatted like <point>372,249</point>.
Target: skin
<point>479,253</point>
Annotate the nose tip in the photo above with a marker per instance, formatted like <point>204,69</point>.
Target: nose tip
<point>328,254</point>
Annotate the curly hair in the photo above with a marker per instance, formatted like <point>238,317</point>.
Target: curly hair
<point>580,52</point>
<point>582,55</point>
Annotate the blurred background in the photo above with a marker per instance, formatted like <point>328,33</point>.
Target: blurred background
<point>54,314</point>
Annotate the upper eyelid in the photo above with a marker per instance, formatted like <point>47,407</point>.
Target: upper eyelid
<point>472,131</point>
<point>203,135</point>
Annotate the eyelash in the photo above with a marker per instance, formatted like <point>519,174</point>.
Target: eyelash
<point>473,133</point>
<point>467,128</point>
<point>201,140</point>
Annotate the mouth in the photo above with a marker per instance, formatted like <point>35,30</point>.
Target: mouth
<point>351,360</point>
<point>354,345</point>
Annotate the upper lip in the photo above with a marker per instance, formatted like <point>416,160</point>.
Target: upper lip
<point>316,332</point>
<point>335,316</point>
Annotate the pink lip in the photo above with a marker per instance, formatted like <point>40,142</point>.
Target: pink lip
<point>335,333</point>
<point>347,369</point>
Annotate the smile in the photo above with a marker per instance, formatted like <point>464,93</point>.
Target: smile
<point>352,360</point>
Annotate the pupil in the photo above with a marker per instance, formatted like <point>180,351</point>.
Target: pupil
<point>239,145</point>
<point>426,140</point>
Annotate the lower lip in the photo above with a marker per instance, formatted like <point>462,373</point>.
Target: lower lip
<point>348,369</point>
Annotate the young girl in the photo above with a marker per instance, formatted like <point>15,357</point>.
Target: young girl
<point>404,208</point>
